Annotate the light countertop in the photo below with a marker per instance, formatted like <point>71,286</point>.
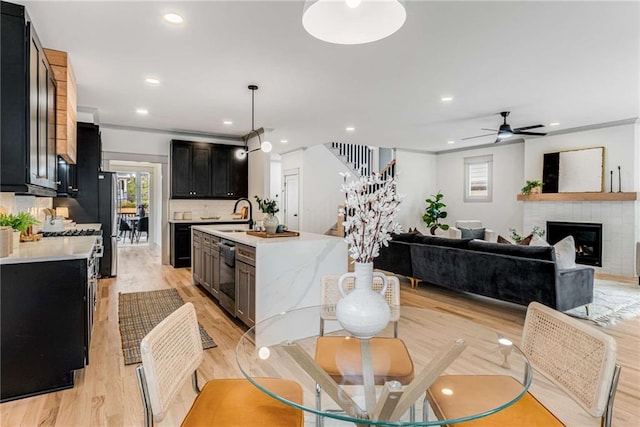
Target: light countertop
<point>198,220</point>
<point>237,234</point>
<point>52,249</point>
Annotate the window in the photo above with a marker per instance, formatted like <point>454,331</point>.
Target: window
<point>478,179</point>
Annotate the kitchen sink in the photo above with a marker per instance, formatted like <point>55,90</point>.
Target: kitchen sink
<point>234,230</point>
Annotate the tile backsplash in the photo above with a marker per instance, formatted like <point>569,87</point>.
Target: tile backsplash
<point>16,203</point>
<point>204,208</point>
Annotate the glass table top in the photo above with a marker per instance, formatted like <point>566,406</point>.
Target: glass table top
<point>361,381</point>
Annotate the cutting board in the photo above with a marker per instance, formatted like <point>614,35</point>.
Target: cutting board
<point>269,235</point>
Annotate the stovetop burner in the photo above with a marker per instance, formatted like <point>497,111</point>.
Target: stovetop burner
<point>72,233</point>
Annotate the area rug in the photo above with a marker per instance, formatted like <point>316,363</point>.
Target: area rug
<point>140,312</point>
<point>612,301</point>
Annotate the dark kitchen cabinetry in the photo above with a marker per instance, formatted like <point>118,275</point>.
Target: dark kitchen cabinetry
<point>207,171</point>
<point>246,284</point>
<point>197,267</point>
<point>180,237</point>
<point>46,317</point>
<point>230,174</point>
<point>191,170</point>
<point>28,108</point>
<point>67,183</point>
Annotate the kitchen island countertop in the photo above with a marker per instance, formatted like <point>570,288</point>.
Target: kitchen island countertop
<point>52,249</point>
<point>238,234</point>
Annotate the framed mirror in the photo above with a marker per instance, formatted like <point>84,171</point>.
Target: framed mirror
<point>573,171</point>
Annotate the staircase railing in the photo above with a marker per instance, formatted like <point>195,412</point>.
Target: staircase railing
<point>389,171</point>
<point>358,156</point>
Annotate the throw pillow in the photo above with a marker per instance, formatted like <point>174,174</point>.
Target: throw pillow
<point>538,241</point>
<point>565,253</point>
<point>526,240</point>
<point>503,240</point>
<point>472,233</point>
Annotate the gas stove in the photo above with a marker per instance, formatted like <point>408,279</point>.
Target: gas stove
<point>72,233</point>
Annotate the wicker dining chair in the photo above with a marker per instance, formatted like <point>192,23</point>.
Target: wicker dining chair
<point>341,358</point>
<point>578,358</point>
<point>172,352</point>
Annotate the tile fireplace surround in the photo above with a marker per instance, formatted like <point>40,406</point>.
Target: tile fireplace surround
<point>619,219</point>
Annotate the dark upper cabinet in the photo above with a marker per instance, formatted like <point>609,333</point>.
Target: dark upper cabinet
<point>27,107</point>
<point>207,171</point>
<point>190,170</point>
<point>230,174</point>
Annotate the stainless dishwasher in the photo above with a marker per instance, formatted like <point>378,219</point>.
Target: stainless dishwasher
<point>227,295</point>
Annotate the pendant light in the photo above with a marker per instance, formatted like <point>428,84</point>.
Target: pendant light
<point>265,146</point>
<point>353,21</point>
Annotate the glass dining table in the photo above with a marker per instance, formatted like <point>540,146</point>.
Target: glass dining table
<point>440,344</point>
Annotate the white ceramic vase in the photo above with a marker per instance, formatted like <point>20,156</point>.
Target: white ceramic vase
<point>363,312</point>
<point>270,223</point>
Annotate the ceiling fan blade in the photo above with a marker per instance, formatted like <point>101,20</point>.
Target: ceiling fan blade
<point>529,133</point>
<point>528,127</point>
<point>478,136</point>
<point>497,140</point>
<point>493,130</point>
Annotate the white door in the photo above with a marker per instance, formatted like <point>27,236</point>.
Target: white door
<point>291,188</point>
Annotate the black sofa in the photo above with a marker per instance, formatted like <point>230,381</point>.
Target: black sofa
<point>514,273</point>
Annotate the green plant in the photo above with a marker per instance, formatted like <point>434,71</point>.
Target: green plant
<point>517,237</point>
<point>526,190</point>
<point>19,222</point>
<point>434,212</point>
<point>267,206</point>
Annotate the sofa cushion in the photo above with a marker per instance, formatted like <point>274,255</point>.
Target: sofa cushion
<point>443,241</point>
<point>472,233</point>
<point>405,237</point>
<point>533,252</point>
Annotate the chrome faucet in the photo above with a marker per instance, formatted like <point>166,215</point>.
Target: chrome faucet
<point>250,210</point>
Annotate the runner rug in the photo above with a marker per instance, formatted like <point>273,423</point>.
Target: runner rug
<point>139,312</point>
<point>612,301</point>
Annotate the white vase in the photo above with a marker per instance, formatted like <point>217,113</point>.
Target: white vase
<point>271,223</point>
<point>363,312</point>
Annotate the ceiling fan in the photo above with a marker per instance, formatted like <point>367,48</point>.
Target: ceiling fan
<point>505,131</point>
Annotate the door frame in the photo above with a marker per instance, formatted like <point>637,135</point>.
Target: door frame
<point>290,172</point>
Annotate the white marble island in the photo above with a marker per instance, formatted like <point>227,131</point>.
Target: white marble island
<point>288,270</point>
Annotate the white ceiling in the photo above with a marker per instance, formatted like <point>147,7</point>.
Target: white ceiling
<point>576,63</point>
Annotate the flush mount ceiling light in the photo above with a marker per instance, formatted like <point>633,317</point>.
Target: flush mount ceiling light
<point>153,81</point>
<point>265,146</point>
<point>353,21</point>
<point>173,18</point>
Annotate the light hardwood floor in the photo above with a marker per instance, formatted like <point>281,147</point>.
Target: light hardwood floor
<point>106,392</point>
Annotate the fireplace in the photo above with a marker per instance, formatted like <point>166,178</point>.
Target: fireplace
<point>587,236</point>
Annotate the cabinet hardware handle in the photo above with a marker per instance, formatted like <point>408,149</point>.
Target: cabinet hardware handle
<point>58,182</point>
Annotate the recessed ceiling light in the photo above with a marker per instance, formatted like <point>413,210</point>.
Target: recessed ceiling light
<point>350,129</point>
<point>451,142</point>
<point>554,124</point>
<point>446,99</point>
<point>153,81</point>
<point>173,18</point>
<point>283,141</point>
<point>142,111</point>
<point>227,122</point>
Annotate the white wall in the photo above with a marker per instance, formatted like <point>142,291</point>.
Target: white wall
<point>504,211</point>
<point>321,183</point>
<point>620,148</point>
<point>416,178</point>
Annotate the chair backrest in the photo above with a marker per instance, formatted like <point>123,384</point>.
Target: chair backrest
<point>578,358</point>
<point>171,353</point>
<point>143,224</point>
<point>330,295</point>
<point>123,226</point>
<point>467,223</point>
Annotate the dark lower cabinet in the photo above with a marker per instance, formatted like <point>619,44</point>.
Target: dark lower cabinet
<point>180,245</point>
<point>246,284</point>
<point>45,325</point>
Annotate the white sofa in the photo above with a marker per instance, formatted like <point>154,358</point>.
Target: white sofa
<point>456,233</point>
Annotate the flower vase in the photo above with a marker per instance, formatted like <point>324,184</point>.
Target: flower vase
<point>271,223</point>
<point>363,312</point>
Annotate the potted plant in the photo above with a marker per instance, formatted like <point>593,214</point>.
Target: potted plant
<point>269,208</point>
<point>517,237</point>
<point>531,187</point>
<point>20,223</point>
<point>434,212</point>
